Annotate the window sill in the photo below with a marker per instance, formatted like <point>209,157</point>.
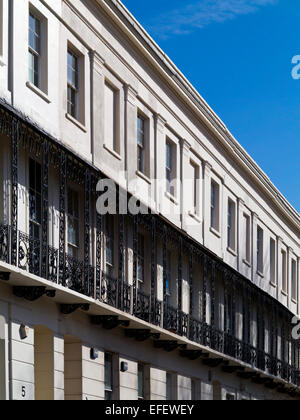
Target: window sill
<point>284,293</point>
<point>2,63</point>
<point>112,152</point>
<point>39,92</point>
<point>260,274</point>
<point>194,216</point>
<point>246,262</point>
<point>273,284</point>
<point>144,177</point>
<point>215,232</point>
<point>171,198</point>
<point>231,251</point>
<point>76,122</point>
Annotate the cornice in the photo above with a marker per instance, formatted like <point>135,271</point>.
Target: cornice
<point>208,116</point>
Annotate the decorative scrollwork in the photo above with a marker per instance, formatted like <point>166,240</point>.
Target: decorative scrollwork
<point>4,243</point>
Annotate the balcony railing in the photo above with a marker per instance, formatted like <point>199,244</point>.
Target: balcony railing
<point>4,243</point>
<point>76,276</point>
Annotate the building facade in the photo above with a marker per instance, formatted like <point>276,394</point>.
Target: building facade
<point>195,298</point>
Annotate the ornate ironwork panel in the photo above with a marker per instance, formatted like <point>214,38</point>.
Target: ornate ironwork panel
<point>74,271</point>
<point>191,278</point>
<point>99,225</point>
<point>53,264</point>
<point>179,284</point>
<point>109,290</point>
<point>14,192</point>
<point>171,318</point>
<point>204,288</point>
<point>121,268</point>
<point>29,254</point>
<point>143,306</point>
<point>45,208</point>
<point>62,221</point>
<point>4,243</point>
<point>88,286</point>
<point>135,258</point>
<point>153,263</point>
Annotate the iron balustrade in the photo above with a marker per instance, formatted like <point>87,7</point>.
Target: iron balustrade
<point>119,294</point>
<point>29,254</point>
<point>38,258</point>
<point>4,243</point>
<point>156,315</point>
<point>143,307</point>
<point>109,290</point>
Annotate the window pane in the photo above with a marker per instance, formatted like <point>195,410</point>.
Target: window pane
<point>108,379</point>
<point>169,387</point>
<point>141,393</point>
<point>34,33</point>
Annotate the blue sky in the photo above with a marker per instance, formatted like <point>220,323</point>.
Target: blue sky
<point>238,54</point>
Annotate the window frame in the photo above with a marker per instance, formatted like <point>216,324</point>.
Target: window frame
<point>215,206</point>
<point>35,223</point>
<point>110,238</point>
<point>73,88</point>
<point>247,235</point>
<point>273,279</point>
<point>196,188</point>
<point>294,281</point>
<point>231,225</point>
<point>169,165</point>
<point>141,257</point>
<point>141,146</point>
<point>109,390</point>
<point>141,368</point>
<point>36,54</point>
<point>260,251</point>
<point>284,264</point>
<point>72,246</point>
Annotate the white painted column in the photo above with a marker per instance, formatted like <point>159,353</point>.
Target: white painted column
<point>160,160</point>
<point>185,187</point>
<point>92,375</point>
<point>184,388</point>
<point>158,384</point>
<point>59,367</point>
<point>131,136</point>
<point>3,366</point>
<point>206,202</point>
<point>97,107</point>
<point>128,381</point>
<point>22,364</point>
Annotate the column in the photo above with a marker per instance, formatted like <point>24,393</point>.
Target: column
<point>160,160</point>
<point>97,106</point>
<point>185,192</point>
<point>206,203</point>
<point>131,136</point>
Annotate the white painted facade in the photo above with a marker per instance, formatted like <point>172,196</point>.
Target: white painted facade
<point>114,52</point>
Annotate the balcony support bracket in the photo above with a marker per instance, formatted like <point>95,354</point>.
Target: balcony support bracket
<point>4,275</point>
<point>109,322</point>
<point>32,293</point>
<point>68,309</point>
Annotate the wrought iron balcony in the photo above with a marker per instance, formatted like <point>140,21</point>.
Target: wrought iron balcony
<point>40,259</point>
